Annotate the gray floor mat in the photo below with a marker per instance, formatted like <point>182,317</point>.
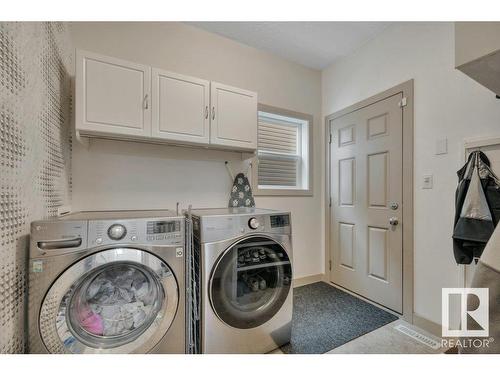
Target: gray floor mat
<point>325,317</point>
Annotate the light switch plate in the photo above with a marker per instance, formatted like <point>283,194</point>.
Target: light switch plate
<point>442,146</point>
<point>427,181</point>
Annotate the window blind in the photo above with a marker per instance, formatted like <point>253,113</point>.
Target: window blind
<point>278,153</point>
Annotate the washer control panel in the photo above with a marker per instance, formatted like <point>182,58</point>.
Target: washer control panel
<point>168,231</point>
<point>163,230</point>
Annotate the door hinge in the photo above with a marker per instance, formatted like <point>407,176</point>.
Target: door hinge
<point>330,202</point>
<point>330,138</point>
<point>402,103</point>
<point>330,265</point>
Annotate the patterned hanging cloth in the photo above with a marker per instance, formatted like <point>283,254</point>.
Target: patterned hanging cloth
<point>241,192</point>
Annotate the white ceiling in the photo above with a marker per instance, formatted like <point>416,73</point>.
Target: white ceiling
<point>313,44</point>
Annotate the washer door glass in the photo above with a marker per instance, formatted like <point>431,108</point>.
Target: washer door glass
<point>250,282</point>
<point>114,304</point>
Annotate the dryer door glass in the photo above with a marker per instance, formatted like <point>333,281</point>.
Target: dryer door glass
<point>250,282</point>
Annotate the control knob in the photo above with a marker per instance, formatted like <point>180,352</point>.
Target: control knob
<point>253,223</point>
<point>117,232</point>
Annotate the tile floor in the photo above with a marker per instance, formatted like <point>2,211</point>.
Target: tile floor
<point>385,340</point>
<point>388,340</point>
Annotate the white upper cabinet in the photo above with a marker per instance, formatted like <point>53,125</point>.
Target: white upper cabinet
<point>126,100</point>
<point>180,108</point>
<point>112,96</point>
<point>233,117</point>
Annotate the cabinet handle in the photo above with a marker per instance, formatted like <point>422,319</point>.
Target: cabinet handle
<point>206,112</point>
<point>146,102</point>
<point>213,113</point>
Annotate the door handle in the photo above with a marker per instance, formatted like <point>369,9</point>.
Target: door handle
<point>146,101</point>
<point>394,220</point>
<point>213,113</point>
<point>206,112</point>
<point>59,244</point>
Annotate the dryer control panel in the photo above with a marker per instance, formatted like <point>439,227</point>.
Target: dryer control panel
<point>168,232</point>
<point>213,228</point>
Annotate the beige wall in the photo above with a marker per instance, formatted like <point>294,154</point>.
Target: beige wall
<point>117,175</point>
<point>449,105</point>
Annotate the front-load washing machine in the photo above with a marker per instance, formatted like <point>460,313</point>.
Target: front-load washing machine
<point>107,282</point>
<point>245,257</point>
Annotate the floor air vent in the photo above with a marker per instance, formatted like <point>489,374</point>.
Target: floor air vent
<point>418,336</point>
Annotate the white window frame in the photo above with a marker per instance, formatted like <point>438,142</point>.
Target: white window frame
<point>305,148</point>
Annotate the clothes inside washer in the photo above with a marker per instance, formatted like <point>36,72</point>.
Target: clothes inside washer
<point>120,299</point>
<point>91,322</point>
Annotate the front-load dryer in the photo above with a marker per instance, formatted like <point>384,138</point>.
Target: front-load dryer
<point>245,257</point>
<point>107,282</point>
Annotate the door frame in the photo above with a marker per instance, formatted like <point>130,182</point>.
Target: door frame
<point>406,89</point>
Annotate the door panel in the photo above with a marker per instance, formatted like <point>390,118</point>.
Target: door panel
<point>180,107</point>
<point>347,136</point>
<point>347,186</point>
<point>377,126</point>
<point>233,117</point>
<point>113,96</point>
<point>366,177</point>
<point>377,180</point>
<point>377,253</point>
<point>346,244</point>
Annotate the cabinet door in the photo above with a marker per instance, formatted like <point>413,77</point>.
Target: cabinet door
<point>180,107</point>
<point>233,117</point>
<point>112,96</point>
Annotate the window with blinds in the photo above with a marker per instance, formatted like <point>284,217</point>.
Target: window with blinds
<point>279,150</point>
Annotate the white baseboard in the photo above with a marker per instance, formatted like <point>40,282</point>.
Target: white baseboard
<point>307,280</point>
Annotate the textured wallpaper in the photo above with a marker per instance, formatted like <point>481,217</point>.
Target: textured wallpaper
<point>36,63</point>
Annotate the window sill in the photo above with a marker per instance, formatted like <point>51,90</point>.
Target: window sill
<point>282,192</point>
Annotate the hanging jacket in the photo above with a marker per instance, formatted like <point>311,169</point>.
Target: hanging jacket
<point>477,208</point>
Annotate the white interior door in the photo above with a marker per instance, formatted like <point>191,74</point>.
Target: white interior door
<point>366,212</point>
<point>233,117</point>
<point>180,107</point>
<point>113,96</point>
